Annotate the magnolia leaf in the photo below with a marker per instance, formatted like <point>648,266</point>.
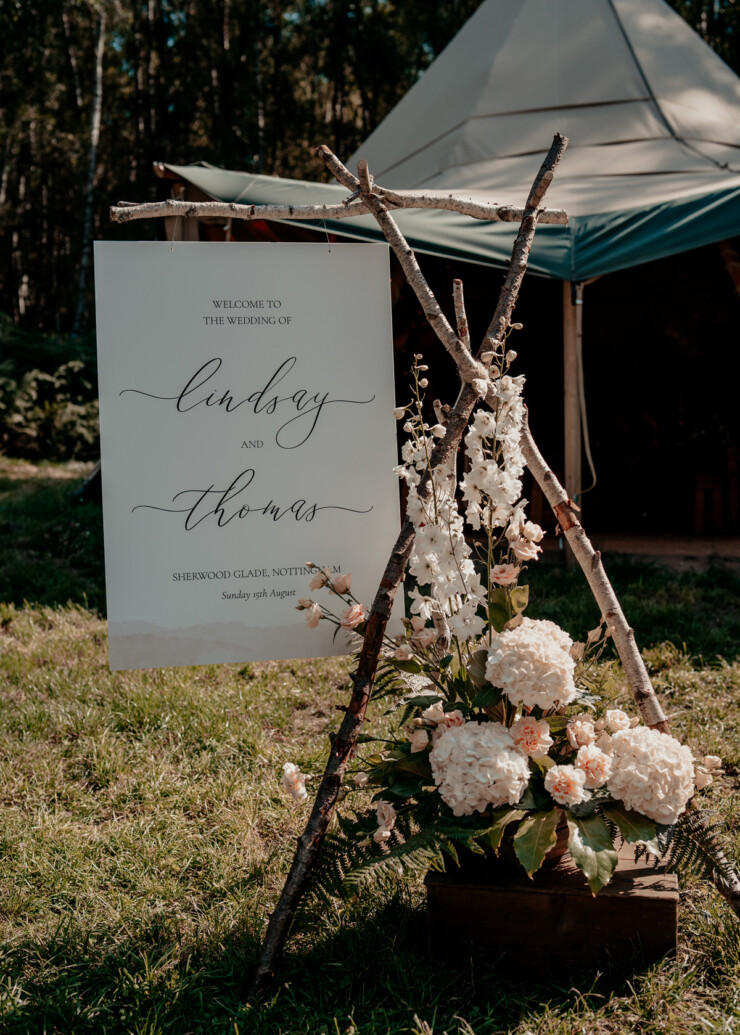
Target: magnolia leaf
<point>534,839</point>
<point>417,765</point>
<point>519,597</point>
<point>504,816</point>
<point>425,699</point>
<point>406,787</point>
<point>477,668</point>
<point>487,698</point>
<point>592,851</point>
<point>497,617</point>
<point>535,797</point>
<point>633,826</point>
<point>499,611</point>
<point>514,622</point>
<point>407,666</point>
<point>589,806</point>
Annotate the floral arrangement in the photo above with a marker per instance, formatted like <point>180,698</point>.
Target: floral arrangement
<point>505,730</point>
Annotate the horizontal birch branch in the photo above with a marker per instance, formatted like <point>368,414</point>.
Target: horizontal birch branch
<point>126,211</point>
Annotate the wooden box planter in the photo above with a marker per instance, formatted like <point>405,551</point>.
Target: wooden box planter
<point>553,923</point>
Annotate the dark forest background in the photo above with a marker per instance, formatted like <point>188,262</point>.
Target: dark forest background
<point>92,92</point>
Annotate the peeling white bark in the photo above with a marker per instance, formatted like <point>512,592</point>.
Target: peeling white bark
<point>125,211</point>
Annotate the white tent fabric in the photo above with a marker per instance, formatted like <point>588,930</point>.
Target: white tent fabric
<point>652,113</point>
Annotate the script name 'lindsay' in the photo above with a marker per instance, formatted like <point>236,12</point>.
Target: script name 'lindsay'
<point>306,407</point>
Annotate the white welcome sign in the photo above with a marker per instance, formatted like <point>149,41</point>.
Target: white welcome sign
<point>246,393</point>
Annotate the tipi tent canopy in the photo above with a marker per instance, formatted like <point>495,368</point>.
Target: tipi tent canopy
<point>653,116</point>
<point>652,169</point>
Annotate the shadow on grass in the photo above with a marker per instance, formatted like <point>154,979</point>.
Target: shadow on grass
<point>699,612</point>
<point>52,544</point>
<point>372,974</point>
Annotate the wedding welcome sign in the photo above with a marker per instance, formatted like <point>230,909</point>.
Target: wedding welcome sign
<point>246,396</point>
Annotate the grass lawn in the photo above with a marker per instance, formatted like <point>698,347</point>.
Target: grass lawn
<point>144,836</point>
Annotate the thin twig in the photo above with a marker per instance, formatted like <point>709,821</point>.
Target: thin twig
<point>461,318</point>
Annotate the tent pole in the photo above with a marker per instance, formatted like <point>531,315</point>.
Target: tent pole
<point>572,338</point>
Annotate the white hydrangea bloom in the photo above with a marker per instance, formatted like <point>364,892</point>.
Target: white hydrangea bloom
<point>532,664</point>
<point>652,773</point>
<point>476,765</point>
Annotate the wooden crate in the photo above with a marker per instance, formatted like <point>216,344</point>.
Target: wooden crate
<point>552,923</point>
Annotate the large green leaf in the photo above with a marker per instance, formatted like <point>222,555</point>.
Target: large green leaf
<point>633,826</point>
<point>503,817</point>
<point>477,668</point>
<point>519,597</point>
<point>592,851</point>
<point>535,797</point>
<point>534,839</point>
<point>407,666</point>
<point>499,609</point>
<point>487,698</point>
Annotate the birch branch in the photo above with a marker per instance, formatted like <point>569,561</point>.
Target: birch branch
<point>590,561</point>
<point>461,318</point>
<point>467,207</point>
<point>127,211</point>
<point>344,743</point>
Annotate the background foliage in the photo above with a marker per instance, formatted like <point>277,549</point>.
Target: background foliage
<point>246,84</point>
<point>92,92</point>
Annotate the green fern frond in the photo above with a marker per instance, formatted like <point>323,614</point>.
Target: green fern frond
<point>388,681</point>
<point>406,858</point>
<point>695,850</point>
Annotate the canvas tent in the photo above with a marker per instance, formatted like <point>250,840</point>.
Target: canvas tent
<point>653,166</point>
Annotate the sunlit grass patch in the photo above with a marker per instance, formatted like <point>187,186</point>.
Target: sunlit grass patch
<point>144,839</point>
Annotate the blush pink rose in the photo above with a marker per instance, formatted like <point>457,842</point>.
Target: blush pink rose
<point>504,574</point>
<point>320,579</point>
<point>566,784</point>
<point>341,584</point>
<point>352,616</point>
<point>532,736</point>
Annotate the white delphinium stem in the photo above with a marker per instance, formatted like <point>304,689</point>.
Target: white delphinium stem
<point>441,559</point>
